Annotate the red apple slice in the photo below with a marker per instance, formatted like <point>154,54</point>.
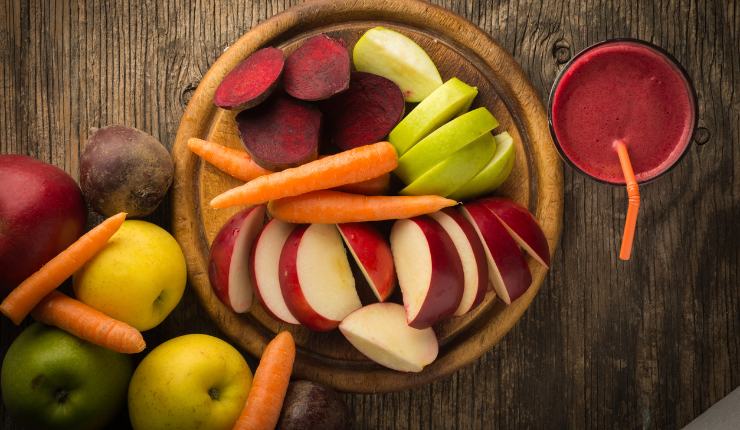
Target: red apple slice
<point>522,226</point>
<point>429,270</point>
<point>315,277</point>
<point>265,265</point>
<point>373,254</point>
<point>472,255</point>
<point>228,269</point>
<point>507,268</point>
<point>380,332</point>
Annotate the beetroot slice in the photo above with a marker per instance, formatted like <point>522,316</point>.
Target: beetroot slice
<point>281,132</point>
<point>365,113</point>
<point>318,69</point>
<point>252,81</point>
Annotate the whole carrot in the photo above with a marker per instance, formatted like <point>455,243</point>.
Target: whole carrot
<point>88,323</point>
<point>371,187</point>
<point>233,162</point>
<point>265,399</point>
<point>333,207</point>
<point>29,293</point>
<point>348,167</point>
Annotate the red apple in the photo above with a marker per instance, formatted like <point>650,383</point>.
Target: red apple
<point>316,278</point>
<point>265,268</point>
<point>228,268</point>
<point>41,214</point>
<point>381,333</point>
<point>472,255</point>
<point>373,254</point>
<point>522,226</point>
<point>429,270</point>
<point>507,268</point>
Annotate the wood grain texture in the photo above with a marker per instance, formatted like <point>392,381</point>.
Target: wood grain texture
<point>647,344</point>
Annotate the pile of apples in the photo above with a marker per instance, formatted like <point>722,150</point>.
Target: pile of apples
<point>444,264</point>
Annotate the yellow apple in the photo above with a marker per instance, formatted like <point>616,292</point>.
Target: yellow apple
<point>138,278</point>
<point>194,381</point>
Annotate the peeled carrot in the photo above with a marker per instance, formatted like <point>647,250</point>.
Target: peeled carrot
<point>88,323</point>
<point>348,167</point>
<point>231,161</point>
<point>333,207</point>
<point>371,187</point>
<point>265,399</point>
<point>29,293</point>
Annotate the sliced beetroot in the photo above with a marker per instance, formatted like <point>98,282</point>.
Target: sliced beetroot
<point>281,133</point>
<point>252,81</point>
<point>365,113</point>
<point>318,69</point>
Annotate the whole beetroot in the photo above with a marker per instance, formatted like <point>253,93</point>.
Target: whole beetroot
<point>124,170</point>
<point>309,406</point>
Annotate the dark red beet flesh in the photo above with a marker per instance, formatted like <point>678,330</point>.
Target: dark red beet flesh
<point>365,113</point>
<point>318,69</point>
<point>281,133</point>
<point>252,81</point>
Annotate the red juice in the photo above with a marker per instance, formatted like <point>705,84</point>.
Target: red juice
<point>622,90</point>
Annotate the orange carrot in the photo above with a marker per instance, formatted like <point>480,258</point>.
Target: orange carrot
<point>371,187</point>
<point>332,207</point>
<point>265,399</point>
<point>29,293</point>
<point>88,323</point>
<point>231,161</point>
<point>348,167</point>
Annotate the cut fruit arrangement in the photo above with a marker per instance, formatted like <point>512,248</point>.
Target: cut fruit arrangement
<point>321,143</point>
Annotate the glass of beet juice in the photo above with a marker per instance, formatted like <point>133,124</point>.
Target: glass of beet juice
<point>623,96</point>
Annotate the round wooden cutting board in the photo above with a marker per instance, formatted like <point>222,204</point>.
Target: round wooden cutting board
<point>459,49</point>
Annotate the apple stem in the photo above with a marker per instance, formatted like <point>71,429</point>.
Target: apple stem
<point>633,196</point>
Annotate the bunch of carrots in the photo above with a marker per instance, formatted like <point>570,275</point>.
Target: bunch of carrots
<point>317,192</point>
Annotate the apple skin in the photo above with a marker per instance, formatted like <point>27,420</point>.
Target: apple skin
<point>446,284</point>
<point>53,380</point>
<point>223,250</point>
<point>190,382</point>
<point>522,226</point>
<point>507,267</point>
<point>373,255</point>
<point>41,213</point>
<point>475,288</point>
<point>493,174</point>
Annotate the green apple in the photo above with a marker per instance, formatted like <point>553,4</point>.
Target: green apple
<point>53,380</point>
<point>443,104</point>
<point>455,170</point>
<point>194,381</point>
<point>138,278</point>
<point>443,142</point>
<point>493,174</point>
<point>394,56</point>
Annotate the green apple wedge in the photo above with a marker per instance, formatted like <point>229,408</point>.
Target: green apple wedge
<point>493,174</point>
<point>392,55</point>
<point>446,102</point>
<point>455,170</point>
<point>443,142</point>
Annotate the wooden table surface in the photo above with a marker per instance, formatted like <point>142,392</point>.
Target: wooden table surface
<point>650,343</point>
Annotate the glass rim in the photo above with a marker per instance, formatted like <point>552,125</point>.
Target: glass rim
<point>664,53</point>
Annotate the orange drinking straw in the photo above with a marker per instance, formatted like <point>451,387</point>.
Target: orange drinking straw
<point>633,194</point>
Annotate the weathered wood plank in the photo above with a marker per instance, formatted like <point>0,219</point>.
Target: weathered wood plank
<point>649,344</point>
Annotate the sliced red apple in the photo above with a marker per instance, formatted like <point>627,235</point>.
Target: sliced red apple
<point>507,268</point>
<point>372,254</point>
<point>472,256</point>
<point>265,269</point>
<point>315,277</point>
<point>429,270</point>
<point>522,226</point>
<point>228,268</point>
<point>381,333</point>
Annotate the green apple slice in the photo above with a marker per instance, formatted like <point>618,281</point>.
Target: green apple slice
<point>455,170</point>
<point>493,174</point>
<point>443,142</point>
<point>451,99</point>
<point>394,56</point>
